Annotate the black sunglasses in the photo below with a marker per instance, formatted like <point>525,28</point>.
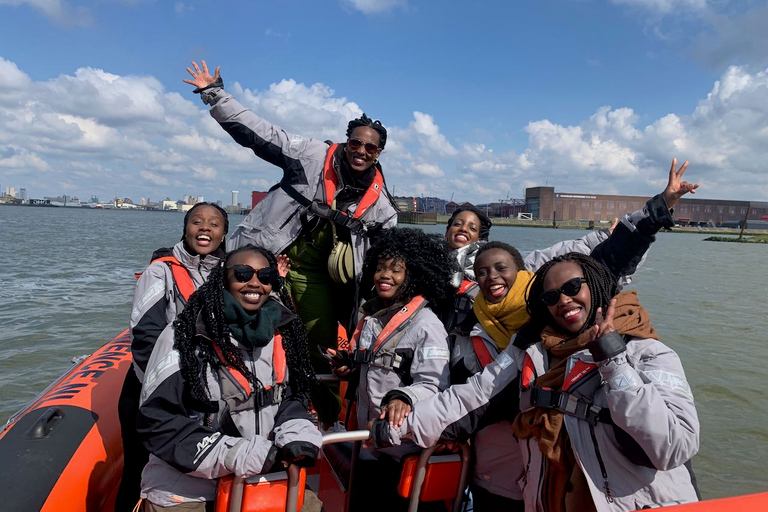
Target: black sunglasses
<point>244,273</point>
<point>370,147</point>
<point>570,288</point>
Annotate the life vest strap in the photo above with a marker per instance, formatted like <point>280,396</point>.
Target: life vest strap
<point>270,396</point>
<point>481,351</point>
<point>567,403</point>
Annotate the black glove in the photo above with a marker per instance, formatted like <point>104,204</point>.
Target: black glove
<point>299,453</point>
<point>380,433</point>
<point>610,345</point>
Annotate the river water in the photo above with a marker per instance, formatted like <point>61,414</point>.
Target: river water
<point>67,285</point>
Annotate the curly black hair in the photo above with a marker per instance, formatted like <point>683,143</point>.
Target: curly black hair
<point>429,265</point>
<point>485,223</point>
<point>212,205</point>
<point>603,286</point>
<point>370,123</point>
<point>207,303</point>
<point>517,258</point>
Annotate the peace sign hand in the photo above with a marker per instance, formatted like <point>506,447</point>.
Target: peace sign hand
<point>605,341</point>
<point>202,78</point>
<point>676,188</point>
<point>603,324</point>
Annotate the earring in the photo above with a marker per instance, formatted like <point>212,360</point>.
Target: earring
<point>375,161</point>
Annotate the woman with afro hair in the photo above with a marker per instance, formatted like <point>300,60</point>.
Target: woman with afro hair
<point>218,397</point>
<point>399,351</point>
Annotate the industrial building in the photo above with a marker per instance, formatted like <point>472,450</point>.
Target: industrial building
<point>544,203</point>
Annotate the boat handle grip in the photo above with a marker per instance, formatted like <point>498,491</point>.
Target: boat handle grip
<point>46,423</point>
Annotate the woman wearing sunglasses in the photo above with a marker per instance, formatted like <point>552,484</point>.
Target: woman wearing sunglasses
<point>607,421</point>
<point>218,397</point>
<point>332,196</point>
<point>161,292</point>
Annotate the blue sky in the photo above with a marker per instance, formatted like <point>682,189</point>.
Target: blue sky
<point>482,99</point>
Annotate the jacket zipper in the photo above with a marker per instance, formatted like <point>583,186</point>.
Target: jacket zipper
<point>608,495</point>
<point>291,216</point>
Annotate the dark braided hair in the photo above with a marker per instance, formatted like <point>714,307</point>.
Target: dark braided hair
<point>485,223</point>
<point>196,354</point>
<point>429,265</point>
<point>370,123</point>
<point>212,205</point>
<point>517,259</point>
<point>603,286</point>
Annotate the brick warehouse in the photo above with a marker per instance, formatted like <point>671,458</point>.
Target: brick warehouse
<point>546,204</point>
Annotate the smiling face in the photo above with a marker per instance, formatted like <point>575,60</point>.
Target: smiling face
<point>464,230</point>
<point>252,294</point>
<point>204,230</point>
<point>570,313</point>
<point>389,278</point>
<point>495,271</point>
<point>359,159</point>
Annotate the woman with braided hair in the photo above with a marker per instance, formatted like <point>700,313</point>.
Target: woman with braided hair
<point>218,397</point>
<point>607,420</point>
<point>331,199</point>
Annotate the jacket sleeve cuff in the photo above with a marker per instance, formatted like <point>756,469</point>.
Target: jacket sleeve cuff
<point>300,453</point>
<point>397,394</point>
<point>606,347</point>
<point>383,435</point>
<point>654,216</point>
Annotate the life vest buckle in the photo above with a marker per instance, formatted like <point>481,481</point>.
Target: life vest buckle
<point>271,396</point>
<point>362,356</point>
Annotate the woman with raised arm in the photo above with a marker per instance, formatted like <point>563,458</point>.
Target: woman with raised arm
<point>331,199</point>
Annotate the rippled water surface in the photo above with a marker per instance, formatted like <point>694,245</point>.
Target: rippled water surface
<point>67,286</point>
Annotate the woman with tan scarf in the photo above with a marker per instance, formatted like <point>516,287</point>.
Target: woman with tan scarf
<point>607,419</point>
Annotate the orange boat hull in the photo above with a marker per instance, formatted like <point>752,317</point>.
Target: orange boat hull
<point>65,453</point>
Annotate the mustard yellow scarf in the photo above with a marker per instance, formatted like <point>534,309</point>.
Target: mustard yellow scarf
<point>502,320</point>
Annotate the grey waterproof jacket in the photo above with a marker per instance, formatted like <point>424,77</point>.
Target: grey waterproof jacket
<point>193,443</point>
<point>156,301</point>
<point>423,370</point>
<point>651,409</point>
<point>275,223</point>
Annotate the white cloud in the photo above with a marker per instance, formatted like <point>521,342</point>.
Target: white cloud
<point>98,132</point>
<point>428,170</point>
<point>428,133</point>
<point>58,11</point>
<point>154,178</point>
<point>375,6</point>
<point>665,6</point>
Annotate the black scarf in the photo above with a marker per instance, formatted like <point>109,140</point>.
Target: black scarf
<point>251,329</point>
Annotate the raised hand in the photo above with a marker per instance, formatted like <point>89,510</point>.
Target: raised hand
<point>603,323</point>
<point>202,78</point>
<point>676,188</point>
<point>283,265</point>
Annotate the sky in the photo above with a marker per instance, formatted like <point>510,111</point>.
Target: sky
<point>481,99</point>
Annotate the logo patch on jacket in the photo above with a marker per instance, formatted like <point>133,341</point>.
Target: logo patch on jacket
<point>206,443</point>
<point>438,353</point>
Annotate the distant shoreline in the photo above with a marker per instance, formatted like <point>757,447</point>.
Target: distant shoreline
<point>443,219</point>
